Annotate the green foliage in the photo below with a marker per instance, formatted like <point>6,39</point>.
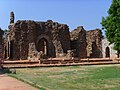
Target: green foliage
<point>5,30</point>
<point>112,24</point>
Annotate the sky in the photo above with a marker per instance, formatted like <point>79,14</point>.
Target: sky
<point>74,13</point>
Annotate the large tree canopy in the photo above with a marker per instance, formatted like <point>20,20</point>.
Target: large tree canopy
<point>112,24</point>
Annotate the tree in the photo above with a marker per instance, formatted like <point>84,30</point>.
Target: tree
<point>111,24</point>
<point>5,31</point>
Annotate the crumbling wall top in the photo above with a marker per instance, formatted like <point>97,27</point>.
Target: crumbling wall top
<point>12,17</point>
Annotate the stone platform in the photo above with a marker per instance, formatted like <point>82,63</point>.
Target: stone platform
<point>59,62</point>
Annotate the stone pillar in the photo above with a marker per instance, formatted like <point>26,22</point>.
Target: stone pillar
<point>45,48</point>
<point>11,17</point>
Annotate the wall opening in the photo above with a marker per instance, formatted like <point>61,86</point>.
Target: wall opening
<point>43,46</point>
<point>107,51</point>
<point>11,49</point>
<point>8,51</point>
<point>5,52</point>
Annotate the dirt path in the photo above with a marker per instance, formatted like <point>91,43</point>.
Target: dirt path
<point>9,83</point>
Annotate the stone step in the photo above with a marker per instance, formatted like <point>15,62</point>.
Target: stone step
<point>52,65</point>
<point>74,60</point>
<point>21,62</point>
<point>58,62</point>
<point>55,61</point>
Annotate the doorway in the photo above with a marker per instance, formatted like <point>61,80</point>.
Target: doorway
<point>11,49</point>
<point>43,46</point>
<point>107,52</point>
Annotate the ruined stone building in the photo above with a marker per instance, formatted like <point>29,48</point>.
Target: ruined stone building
<point>50,37</point>
<point>28,39</point>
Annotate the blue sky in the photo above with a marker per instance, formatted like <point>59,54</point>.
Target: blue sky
<point>87,13</point>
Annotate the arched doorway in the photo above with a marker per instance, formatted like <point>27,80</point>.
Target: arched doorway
<point>43,46</point>
<point>107,51</point>
<point>11,50</point>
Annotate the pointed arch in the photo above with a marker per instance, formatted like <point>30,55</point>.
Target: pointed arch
<point>107,52</point>
<point>42,45</point>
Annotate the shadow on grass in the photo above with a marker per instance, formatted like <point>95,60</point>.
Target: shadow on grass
<point>5,71</point>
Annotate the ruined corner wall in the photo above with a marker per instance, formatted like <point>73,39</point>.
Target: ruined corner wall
<point>17,39</point>
<point>86,43</point>
<point>1,43</point>
<point>78,42</point>
<point>94,43</point>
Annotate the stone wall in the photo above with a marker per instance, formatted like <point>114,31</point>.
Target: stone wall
<point>24,32</point>
<point>112,53</point>
<point>94,43</point>
<point>1,44</point>
<point>86,43</point>
<point>78,42</point>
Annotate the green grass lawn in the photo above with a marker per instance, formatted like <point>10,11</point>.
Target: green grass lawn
<point>72,77</point>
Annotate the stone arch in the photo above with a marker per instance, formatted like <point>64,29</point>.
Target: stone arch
<point>43,36</point>
<point>44,43</point>
<point>107,52</point>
